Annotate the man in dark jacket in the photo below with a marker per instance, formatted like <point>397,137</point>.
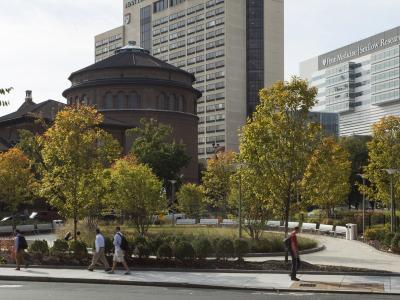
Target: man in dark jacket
<point>20,246</point>
<point>294,253</point>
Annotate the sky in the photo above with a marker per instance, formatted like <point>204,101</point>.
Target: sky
<point>43,41</point>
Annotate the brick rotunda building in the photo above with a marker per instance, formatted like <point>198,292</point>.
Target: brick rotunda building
<point>132,85</point>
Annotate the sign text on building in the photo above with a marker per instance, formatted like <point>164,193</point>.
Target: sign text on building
<point>131,3</point>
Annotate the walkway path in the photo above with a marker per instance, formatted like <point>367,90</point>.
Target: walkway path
<point>257,281</point>
<point>341,252</point>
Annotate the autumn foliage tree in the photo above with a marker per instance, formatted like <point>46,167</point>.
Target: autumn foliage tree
<point>277,141</point>
<point>216,180</point>
<point>16,179</point>
<point>136,190</point>
<point>191,200</point>
<point>326,179</point>
<point>75,151</point>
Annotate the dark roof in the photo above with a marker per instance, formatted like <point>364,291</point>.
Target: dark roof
<point>46,110</point>
<point>126,59</point>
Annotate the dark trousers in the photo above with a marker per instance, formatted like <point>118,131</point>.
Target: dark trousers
<point>295,265</point>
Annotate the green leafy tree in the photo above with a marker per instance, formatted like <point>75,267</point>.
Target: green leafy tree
<point>216,180</point>
<point>278,140</point>
<point>153,145</point>
<point>16,180</point>
<point>136,191</point>
<point>384,150</point>
<point>4,92</point>
<point>326,180</point>
<point>191,200</point>
<point>249,192</point>
<point>75,150</point>
<point>357,148</point>
<point>32,145</point>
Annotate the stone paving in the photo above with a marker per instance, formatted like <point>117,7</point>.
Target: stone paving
<point>341,252</point>
<point>260,281</point>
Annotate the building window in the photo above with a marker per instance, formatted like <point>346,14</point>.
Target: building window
<point>134,101</point>
<point>120,101</point>
<point>160,5</point>
<point>108,103</point>
<point>175,2</point>
<point>145,27</point>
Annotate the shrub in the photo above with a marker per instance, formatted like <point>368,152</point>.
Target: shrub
<point>184,251</point>
<point>225,248</point>
<point>388,239</point>
<point>396,243</point>
<point>261,246</point>
<point>39,247</point>
<point>108,245</point>
<point>305,243</point>
<point>79,249</point>
<point>203,247</point>
<point>376,233</point>
<point>143,250</point>
<point>3,261</point>
<point>155,243</point>
<point>164,251</point>
<point>241,248</point>
<point>59,246</point>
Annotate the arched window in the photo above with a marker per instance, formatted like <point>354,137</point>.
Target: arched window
<point>172,103</point>
<point>182,104</point>
<point>85,100</point>
<point>134,101</point>
<point>162,101</point>
<point>121,101</point>
<point>108,101</point>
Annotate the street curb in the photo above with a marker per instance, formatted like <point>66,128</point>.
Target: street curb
<point>181,285</point>
<point>276,254</point>
<point>232,271</point>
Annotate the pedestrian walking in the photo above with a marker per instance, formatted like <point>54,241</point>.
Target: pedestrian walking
<point>121,246</point>
<point>99,253</point>
<point>294,253</point>
<point>20,245</point>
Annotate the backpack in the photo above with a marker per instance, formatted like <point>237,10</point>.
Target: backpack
<point>124,243</point>
<point>286,242</point>
<point>22,244</point>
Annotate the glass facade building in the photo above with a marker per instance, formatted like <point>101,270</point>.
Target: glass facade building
<point>359,81</point>
<point>234,49</point>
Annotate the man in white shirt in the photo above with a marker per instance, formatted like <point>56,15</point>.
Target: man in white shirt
<point>119,255</point>
<point>99,254</point>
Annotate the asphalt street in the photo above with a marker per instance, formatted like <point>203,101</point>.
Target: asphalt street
<point>60,291</point>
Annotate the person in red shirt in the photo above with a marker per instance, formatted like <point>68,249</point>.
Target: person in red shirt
<point>294,253</point>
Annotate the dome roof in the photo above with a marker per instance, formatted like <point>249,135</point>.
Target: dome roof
<point>128,57</point>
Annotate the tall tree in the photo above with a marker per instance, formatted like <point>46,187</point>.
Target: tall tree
<point>278,140</point>
<point>16,180</point>
<point>384,150</point>
<point>4,92</point>
<point>191,200</point>
<point>326,180</point>
<point>75,150</point>
<point>248,192</point>
<point>216,180</point>
<point>357,148</point>
<point>136,191</point>
<point>155,147</point>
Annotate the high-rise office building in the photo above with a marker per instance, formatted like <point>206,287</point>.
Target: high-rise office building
<point>234,48</point>
<point>359,81</point>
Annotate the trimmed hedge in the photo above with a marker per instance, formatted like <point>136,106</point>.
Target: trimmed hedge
<point>225,249</point>
<point>164,251</point>
<point>184,251</point>
<point>39,247</point>
<point>203,248</point>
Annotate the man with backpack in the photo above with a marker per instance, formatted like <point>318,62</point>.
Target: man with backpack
<point>20,246</point>
<point>121,247</point>
<point>294,253</point>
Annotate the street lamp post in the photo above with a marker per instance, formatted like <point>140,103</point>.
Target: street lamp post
<point>173,182</point>
<point>391,172</point>
<point>363,206</point>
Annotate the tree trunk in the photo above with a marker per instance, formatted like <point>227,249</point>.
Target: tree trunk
<point>75,227</point>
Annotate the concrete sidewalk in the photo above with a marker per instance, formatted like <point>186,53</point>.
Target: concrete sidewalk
<point>252,281</point>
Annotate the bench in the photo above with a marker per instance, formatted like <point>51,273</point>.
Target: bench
<point>186,222</point>
<point>325,228</point>
<point>6,229</point>
<point>309,227</point>
<point>273,224</point>
<point>26,228</point>
<point>209,222</point>
<point>229,222</point>
<point>44,227</point>
<point>340,230</point>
